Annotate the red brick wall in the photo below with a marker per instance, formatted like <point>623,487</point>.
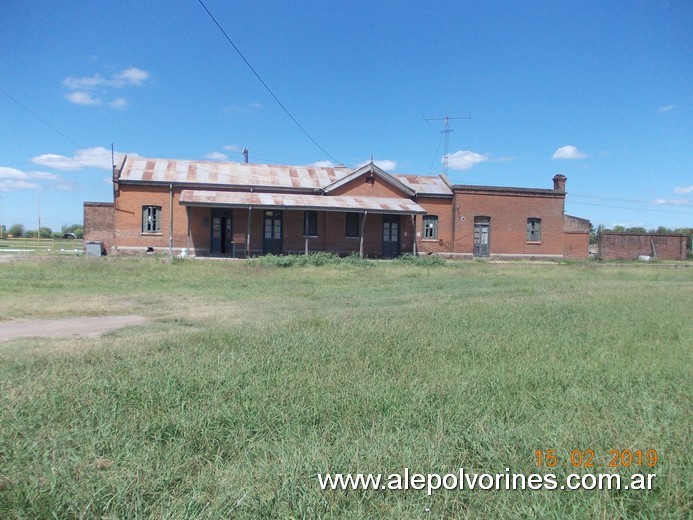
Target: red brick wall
<point>629,246</point>
<point>508,211</point>
<point>98,223</point>
<point>128,219</point>
<point>442,208</point>
<point>508,228</point>
<point>360,188</point>
<point>576,245</point>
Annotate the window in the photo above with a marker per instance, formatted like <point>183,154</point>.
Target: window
<point>430,227</point>
<point>310,223</point>
<point>533,230</point>
<point>151,219</point>
<point>353,225</point>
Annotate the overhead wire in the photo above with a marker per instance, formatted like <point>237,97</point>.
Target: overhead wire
<point>228,38</point>
<point>42,120</point>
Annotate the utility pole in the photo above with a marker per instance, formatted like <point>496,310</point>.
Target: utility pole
<point>446,132</point>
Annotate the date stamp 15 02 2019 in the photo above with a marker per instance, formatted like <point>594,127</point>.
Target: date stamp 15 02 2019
<point>588,459</point>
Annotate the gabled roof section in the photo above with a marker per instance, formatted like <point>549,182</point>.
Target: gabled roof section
<point>211,173</point>
<point>367,169</point>
<point>426,184</point>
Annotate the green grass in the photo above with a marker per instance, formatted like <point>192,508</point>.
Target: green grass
<point>252,378</point>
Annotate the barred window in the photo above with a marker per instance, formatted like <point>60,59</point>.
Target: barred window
<point>430,226</point>
<point>310,223</point>
<point>533,230</point>
<point>353,225</point>
<point>151,219</point>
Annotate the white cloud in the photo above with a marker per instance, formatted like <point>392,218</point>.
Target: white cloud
<point>324,164</point>
<point>383,164</point>
<point>82,98</point>
<point>127,77</point>
<point>386,164</point>
<point>98,157</point>
<point>568,152</point>
<point>672,202</point>
<point>665,108</point>
<point>231,148</point>
<point>87,82</point>
<point>120,102</point>
<point>465,159</point>
<point>683,189</point>
<point>132,76</point>
<point>216,156</point>
<point>12,179</point>
<point>243,109</point>
<point>83,88</point>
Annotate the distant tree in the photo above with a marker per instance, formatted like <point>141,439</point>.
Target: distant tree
<point>636,229</point>
<point>595,232</point>
<point>662,229</point>
<point>30,233</point>
<point>16,230</point>
<point>77,229</point>
<point>45,232</point>
<point>619,229</point>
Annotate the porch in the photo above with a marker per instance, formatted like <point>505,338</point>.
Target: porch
<point>233,224</point>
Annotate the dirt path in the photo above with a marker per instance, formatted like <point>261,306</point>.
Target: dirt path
<point>89,327</point>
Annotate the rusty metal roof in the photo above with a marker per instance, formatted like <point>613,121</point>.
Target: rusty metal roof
<point>425,184</point>
<point>300,201</point>
<point>231,174</point>
<point>228,173</point>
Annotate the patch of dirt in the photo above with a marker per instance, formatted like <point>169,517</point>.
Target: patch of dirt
<point>85,327</point>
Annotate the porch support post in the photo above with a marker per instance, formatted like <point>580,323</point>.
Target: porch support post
<point>247,235</point>
<point>306,246</point>
<point>363,227</point>
<point>187,213</point>
<point>170,220</point>
<point>414,249</point>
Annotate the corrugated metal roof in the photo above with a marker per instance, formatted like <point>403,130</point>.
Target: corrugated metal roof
<point>424,184</point>
<point>300,201</point>
<point>141,169</point>
<point>228,173</point>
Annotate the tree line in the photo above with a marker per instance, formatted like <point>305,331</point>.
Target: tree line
<point>596,231</point>
<point>18,231</point>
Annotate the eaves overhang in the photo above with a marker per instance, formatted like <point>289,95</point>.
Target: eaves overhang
<point>336,203</point>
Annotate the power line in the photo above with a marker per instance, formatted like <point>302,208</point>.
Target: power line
<point>265,84</point>
<point>43,120</point>
<point>630,207</point>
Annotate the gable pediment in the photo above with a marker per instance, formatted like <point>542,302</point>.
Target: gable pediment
<point>372,172</point>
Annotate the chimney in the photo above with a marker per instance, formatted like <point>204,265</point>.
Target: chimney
<point>559,182</point>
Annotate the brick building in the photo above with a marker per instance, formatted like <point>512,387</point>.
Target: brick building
<point>239,209</point>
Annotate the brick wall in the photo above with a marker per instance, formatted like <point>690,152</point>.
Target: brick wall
<point>576,245</point>
<point>442,208</point>
<point>576,241</point>
<point>509,212</point>
<point>128,219</point>
<point>360,188</point>
<point>629,246</point>
<point>98,223</point>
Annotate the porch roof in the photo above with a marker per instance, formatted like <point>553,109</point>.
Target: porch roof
<point>229,199</point>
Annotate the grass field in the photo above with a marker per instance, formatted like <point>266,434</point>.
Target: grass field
<point>252,379</point>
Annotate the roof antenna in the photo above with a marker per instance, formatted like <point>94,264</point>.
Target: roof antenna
<point>112,157</point>
<point>245,154</point>
<point>446,132</point>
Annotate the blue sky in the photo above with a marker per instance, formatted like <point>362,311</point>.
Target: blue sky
<point>599,91</point>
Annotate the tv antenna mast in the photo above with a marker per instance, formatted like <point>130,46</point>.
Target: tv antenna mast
<point>446,133</point>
